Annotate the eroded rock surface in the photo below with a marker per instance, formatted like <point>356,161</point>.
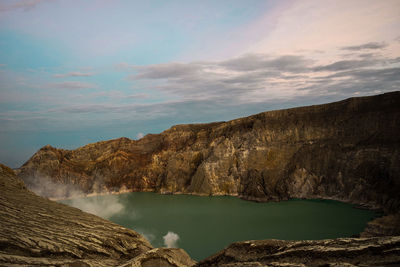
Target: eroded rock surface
<point>347,150</point>
<point>331,252</point>
<point>161,257</point>
<point>383,226</point>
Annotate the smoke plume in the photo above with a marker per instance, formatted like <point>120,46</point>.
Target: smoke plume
<point>46,188</point>
<point>104,207</point>
<point>171,240</point>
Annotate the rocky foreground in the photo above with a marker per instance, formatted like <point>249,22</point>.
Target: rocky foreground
<point>332,252</point>
<point>38,232</point>
<point>347,150</point>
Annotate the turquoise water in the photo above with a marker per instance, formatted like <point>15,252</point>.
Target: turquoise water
<point>206,225</point>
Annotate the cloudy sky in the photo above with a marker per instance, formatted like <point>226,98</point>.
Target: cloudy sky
<point>75,72</point>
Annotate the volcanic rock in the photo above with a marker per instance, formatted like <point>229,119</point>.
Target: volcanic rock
<point>331,252</point>
<point>384,226</point>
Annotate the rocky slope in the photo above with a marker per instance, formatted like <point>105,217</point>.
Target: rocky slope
<point>38,232</point>
<point>332,252</point>
<point>384,226</point>
<point>347,150</point>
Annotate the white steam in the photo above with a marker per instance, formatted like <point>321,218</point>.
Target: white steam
<point>171,239</point>
<point>104,207</point>
<point>148,235</point>
<point>139,136</point>
<point>49,189</point>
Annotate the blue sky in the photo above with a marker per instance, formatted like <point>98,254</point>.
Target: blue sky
<point>75,72</point>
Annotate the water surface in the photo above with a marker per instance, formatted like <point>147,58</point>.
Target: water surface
<point>206,225</point>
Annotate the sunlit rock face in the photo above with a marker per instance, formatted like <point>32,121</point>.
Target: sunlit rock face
<point>347,150</point>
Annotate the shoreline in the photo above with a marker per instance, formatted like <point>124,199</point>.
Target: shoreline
<point>376,209</point>
<point>356,204</point>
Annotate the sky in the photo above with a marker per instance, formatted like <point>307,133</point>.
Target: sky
<point>77,72</point>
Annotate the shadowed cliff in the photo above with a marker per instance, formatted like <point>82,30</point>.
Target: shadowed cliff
<point>347,150</point>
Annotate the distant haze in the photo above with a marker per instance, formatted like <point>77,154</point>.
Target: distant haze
<point>76,72</point>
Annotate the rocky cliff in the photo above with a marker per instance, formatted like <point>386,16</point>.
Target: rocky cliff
<point>38,232</point>
<point>347,150</point>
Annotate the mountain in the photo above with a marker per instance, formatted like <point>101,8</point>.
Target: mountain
<point>347,150</point>
<point>35,231</point>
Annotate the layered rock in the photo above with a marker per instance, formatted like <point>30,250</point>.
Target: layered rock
<point>347,150</point>
<point>331,252</point>
<point>38,232</point>
<point>384,226</point>
<point>161,257</point>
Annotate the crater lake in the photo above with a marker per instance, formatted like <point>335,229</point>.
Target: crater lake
<point>204,225</point>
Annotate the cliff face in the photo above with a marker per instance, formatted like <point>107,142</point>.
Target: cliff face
<point>347,150</point>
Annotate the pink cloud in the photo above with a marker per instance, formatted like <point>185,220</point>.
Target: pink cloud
<point>311,25</point>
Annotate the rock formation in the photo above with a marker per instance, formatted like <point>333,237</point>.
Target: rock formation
<point>331,252</point>
<point>383,226</point>
<point>38,232</point>
<point>347,150</point>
